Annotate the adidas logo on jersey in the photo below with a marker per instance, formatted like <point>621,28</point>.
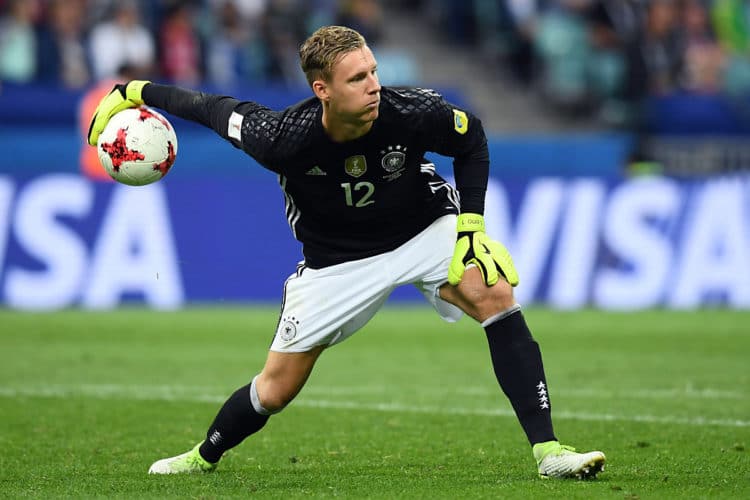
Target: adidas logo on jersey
<point>316,170</point>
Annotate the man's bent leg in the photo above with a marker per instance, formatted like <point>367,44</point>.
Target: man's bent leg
<point>246,411</point>
<point>518,367</point>
<point>516,358</point>
<point>283,376</point>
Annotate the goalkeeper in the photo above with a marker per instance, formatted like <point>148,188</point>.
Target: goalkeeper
<point>372,214</point>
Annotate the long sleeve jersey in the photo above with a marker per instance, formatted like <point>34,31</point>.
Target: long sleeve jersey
<point>355,199</point>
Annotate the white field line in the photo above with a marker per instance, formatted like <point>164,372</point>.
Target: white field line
<point>687,392</point>
<point>197,395</point>
<point>167,391</point>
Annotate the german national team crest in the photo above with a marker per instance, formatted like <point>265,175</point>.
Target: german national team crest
<point>288,328</point>
<point>393,161</point>
<point>355,165</point>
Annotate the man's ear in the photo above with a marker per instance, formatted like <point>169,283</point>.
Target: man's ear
<point>320,88</point>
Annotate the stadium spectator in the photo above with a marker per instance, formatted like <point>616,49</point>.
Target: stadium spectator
<point>235,49</point>
<point>506,31</point>
<point>249,10</point>
<point>731,21</point>
<point>606,43</point>
<point>62,45</point>
<point>563,45</point>
<point>122,40</point>
<point>321,13</point>
<point>455,18</point>
<point>283,28</point>
<point>180,46</point>
<point>364,16</point>
<point>18,43</point>
<point>655,66</point>
<point>704,59</point>
<point>731,24</point>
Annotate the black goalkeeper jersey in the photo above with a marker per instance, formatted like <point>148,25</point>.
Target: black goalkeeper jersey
<point>355,199</point>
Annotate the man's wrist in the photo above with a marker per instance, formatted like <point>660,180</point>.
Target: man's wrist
<point>469,223</point>
<point>134,90</point>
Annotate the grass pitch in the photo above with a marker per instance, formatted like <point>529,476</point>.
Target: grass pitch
<point>407,408</point>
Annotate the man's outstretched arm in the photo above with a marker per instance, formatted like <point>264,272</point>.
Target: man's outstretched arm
<point>210,110</point>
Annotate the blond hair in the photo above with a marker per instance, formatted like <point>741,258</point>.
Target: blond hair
<point>324,48</point>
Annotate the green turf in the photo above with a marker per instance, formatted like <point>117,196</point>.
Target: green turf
<point>407,408</point>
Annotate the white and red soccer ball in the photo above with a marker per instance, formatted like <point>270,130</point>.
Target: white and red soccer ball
<point>138,146</point>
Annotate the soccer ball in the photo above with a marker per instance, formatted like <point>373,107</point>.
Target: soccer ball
<point>138,146</point>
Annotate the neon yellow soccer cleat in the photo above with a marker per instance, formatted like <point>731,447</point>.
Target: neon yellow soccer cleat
<point>187,463</point>
<point>559,461</point>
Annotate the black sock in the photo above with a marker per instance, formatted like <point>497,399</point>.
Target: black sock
<point>518,366</point>
<point>236,420</point>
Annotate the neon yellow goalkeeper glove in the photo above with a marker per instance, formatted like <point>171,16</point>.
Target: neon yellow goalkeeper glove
<point>122,96</point>
<point>475,247</point>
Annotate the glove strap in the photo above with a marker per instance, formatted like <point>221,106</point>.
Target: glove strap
<point>470,223</point>
<point>134,89</point>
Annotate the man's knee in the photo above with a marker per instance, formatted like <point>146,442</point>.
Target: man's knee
<point>268,396</point>
<point>477,299</point>
<point>491,300</point>
<point>282,378</point>
<point>275,401</point>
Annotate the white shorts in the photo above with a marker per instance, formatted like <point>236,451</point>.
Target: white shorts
<point>325,306</point>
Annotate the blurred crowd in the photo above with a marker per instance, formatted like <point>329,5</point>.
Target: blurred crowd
<point>584,55</point>
<point>606,56</point>
<point>600,58</point>
<point>221,42</point>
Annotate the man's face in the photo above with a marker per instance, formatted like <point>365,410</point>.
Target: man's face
<point>354,90</point>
